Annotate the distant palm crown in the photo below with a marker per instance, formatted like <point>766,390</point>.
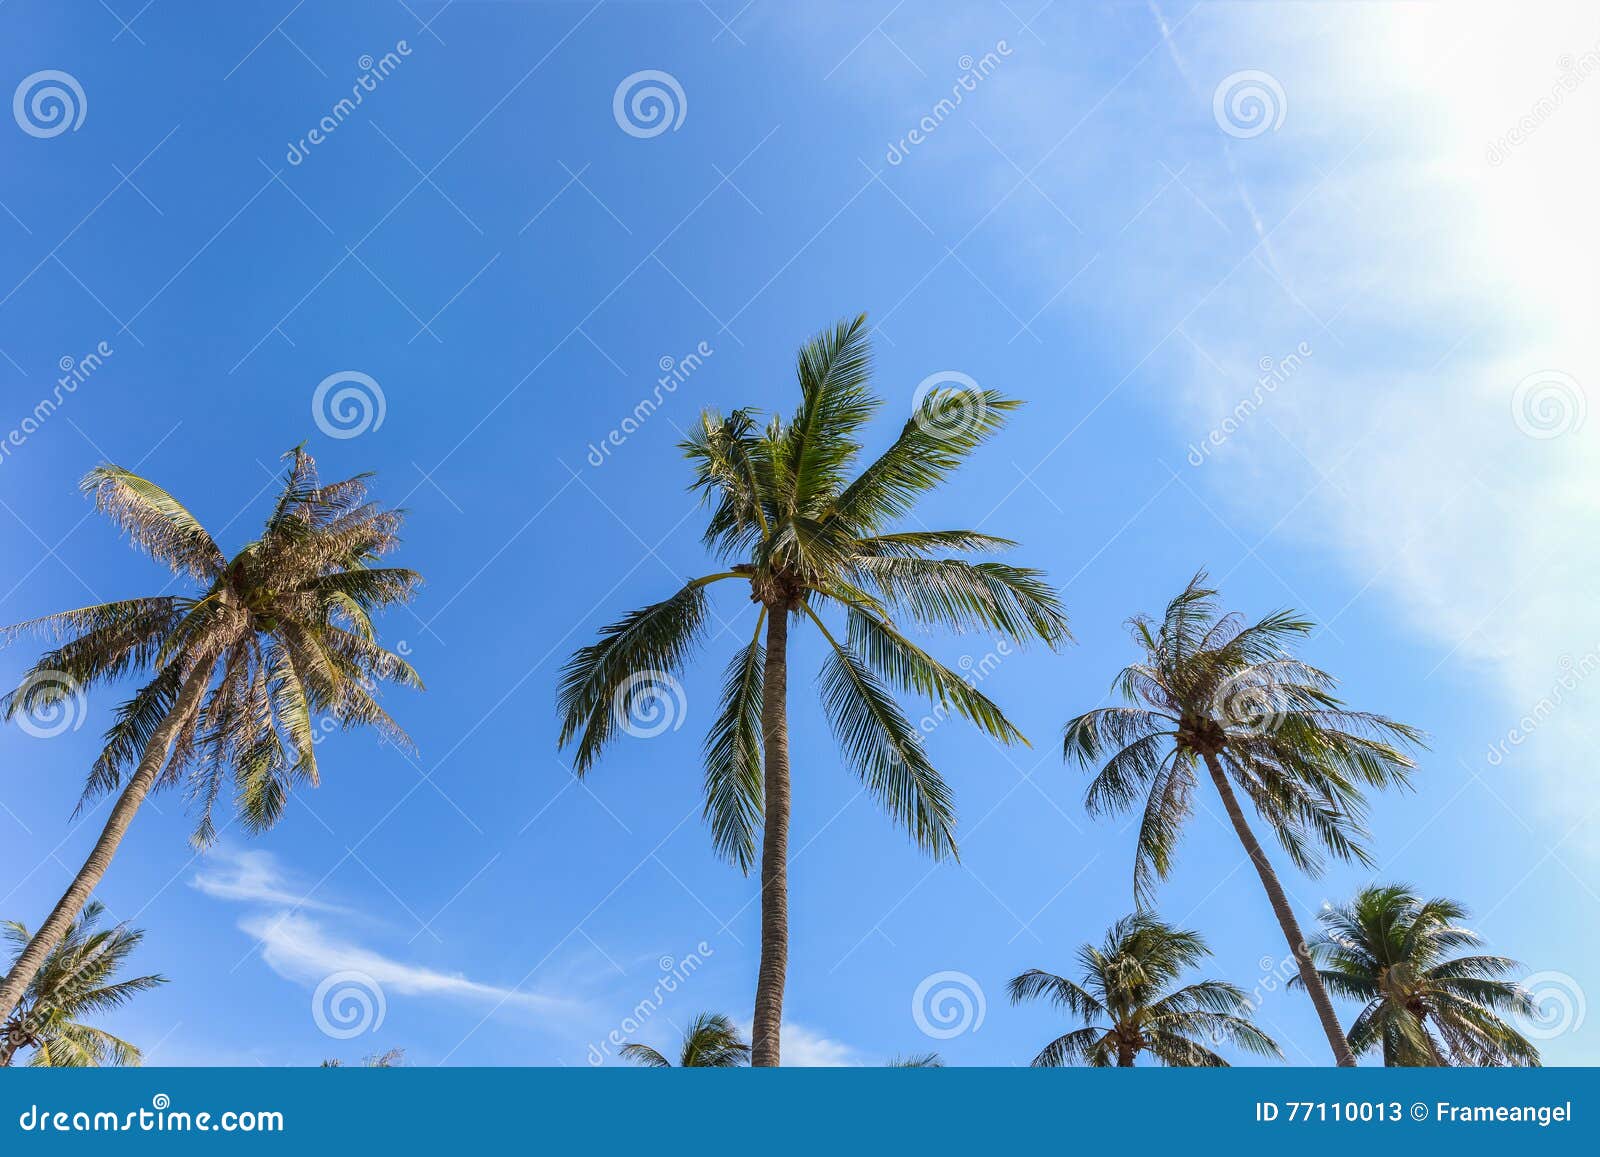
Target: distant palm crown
<point>1130,1005</point>
<point>712,1041</point>
<point>1210,686</point>
<point>806,537</point>
<point>77,981</point>
<point>282,632</point>
<point>1391,950</point>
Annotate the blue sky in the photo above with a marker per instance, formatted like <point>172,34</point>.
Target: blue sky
<point>1397,248</point>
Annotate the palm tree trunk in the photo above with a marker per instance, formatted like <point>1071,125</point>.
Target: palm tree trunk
<point>1285,914</point>
<point>774,844</point>
<point>12,1040</point>
<point>94,868</point>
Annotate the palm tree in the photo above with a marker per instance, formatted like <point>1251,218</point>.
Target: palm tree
<point>915,1061</point>
<point>1210,690</point>
<point>388,1059</point>
<point>1392,950</point>
<point>1128,1007</point>
<point>712,1042</point>
<point>803,537</point>
<point>77,981</point>
<point>236,671</point>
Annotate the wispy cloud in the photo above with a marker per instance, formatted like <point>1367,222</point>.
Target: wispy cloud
<point>300,948</point>
<point>253,877</point>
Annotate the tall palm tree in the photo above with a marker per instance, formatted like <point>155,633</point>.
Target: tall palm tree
<point>711,1042</point>
<point>77,981</point>
<point>1129,1007</point>
<point>271,638</point>
<point>1392,950</point>
<point>1211,691</point>
<point>803,537</point>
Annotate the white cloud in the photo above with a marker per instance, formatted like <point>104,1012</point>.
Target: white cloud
<point>1429,278</point>
<point>253,877</point>
<point>299,948</point>
<point>807,1049</point>
<point>802,1047</point>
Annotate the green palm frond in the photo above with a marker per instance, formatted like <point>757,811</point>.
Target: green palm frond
<point>280,633</point>
<point>154,521</point>
<point>654,641</point>
<point>887,751</point>
<point>733,752</point>
<point>78,981</point>
<point>1391,949</point>
<point>1208,685</point>
<point>711,1041</point>
<point>786,517</point>
<point>1129,1006</point>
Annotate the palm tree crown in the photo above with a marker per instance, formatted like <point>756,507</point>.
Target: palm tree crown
<point>236,670</point>
<point>1129,1006</point>
<point>78,981</point>
<point>1392,950</point>
<point>804,537</point>
<point>278,634</point>
<point>1210,686</point>
<point>711,1042</point>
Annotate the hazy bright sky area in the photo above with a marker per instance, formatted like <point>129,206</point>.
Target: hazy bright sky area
<point>1329,340</point>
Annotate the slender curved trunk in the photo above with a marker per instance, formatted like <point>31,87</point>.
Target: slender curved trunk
<point>774,844</point>
<point>1125,1055</point>
<point>94,868</point>
<point>1285,914</point>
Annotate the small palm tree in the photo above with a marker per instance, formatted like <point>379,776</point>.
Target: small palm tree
<point>712,1042</point>
<point>1213,692</point>
<point>1129,1008</point>
<point>236,671</point>
<point>77,981</point>
<point>803,537</point>
<point>915,1061</point>
<point>388,1059</point>
<point>1391,950</point>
